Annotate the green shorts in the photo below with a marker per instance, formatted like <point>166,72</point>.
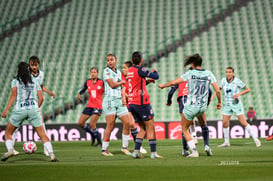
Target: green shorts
<point>114,106</point>
<point>191,112</point>
<point>238,109</point>
<point>32,115</point>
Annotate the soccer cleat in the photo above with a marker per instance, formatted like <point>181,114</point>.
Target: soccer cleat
<point>269,138</point>
<point>258,143</point>
<point>52,157</point>
<point>137,154</point>
<point>15,152</point>
<point>208,150</point>
<point>185,153</point>
<point>143,150</point>
<point>46,152</point>
<point>194,154</point>
<point>106,153</point>
<point>7,155</point>
<point>126,151</point>
<point>93,139</point>
<point>155,155</point>
<point>195,140</point>
<point>224,145</point>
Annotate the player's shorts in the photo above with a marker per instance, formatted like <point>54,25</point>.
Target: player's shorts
<point>32,115</point>
<point>181,102</point>
<point>114,106</point>
<point>141,112</point>
<point>238,109</point>
<point>191,112</point>
<point>90,111</point>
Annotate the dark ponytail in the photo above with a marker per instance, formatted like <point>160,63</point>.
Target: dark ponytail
<point>196,59</point>
<point>23,73</point>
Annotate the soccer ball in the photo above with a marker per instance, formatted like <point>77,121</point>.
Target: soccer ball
<point>29,147</point>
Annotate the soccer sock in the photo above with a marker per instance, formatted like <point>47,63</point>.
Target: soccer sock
<point>192,145</point>
<point>184,142</point>
<point>14,136</point>
<point>48,146</point>
<point>96,134</point>
<point>152,144</point>
<point>226,134</point>
<point>105,145</point>
<point>87,129</point>
<point>249,130</point>
<point>205,134</point>
<point>9,145</point>
<point>134,133</point>
<point>192,130</point>
<point>125,140</point>
<point>138,143</point>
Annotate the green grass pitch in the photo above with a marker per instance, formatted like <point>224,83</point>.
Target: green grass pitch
<point>79,161</point>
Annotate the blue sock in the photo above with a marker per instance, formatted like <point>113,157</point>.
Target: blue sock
<point>152,144</point>
<point>184,142</point>
<point>88,130</point>
<point>205,134</point>
<point>134,133</point>
<point>96,134</point>
<point>138,143</point>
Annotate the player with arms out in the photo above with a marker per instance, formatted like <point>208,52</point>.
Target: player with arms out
<point>139,104</point>
<point>231,86</point>
<point>113,106</point>
<point>199,81</point>
<point>94,105</point>
<point>38,75</point>
<point>26,91</point>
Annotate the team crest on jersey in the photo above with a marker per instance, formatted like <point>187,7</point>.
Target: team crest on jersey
<point>99,87</point>
<point>144,69</point>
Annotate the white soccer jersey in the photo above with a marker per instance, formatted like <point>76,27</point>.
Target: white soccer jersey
<point>108,73</point>
<point>40,77</point>
<point>231,88</point>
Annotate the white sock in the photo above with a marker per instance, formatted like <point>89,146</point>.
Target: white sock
<point>48,146</point>
<point>105,145</point>
<point>14,136</point>
<point>9,145</point>
<point>191,145</point>
<point>192,130</point>
<point>125,140</point>
<point>249,130</point>
<point>226,134</point>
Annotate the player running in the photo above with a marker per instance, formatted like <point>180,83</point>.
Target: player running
<point>93,109</point>
<point>113,106</point>
<point>28,95</point>
<point>38,75</point>
<point>199,81</point>
<point>231,86</point>
<point>139,104</point>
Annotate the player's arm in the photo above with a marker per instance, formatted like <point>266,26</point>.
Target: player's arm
<point>218,94</point>
<point>123,96</point>
<point>170,94</point>
<point>44,89</point>
<point>82,91</point>
<point>245,91</point>
<point>113,84</point>
<point>153,74</point>
<point>12,98</point>
<point>214,94</point>
<point>171,83</point>
<point>40,97</point>
<point>148,81</point>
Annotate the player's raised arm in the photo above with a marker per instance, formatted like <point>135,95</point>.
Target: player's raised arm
<point>171,83</point>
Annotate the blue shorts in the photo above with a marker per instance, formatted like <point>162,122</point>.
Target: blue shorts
<point>90,111</point>
<point>141,112</point>
<point>181,101</point>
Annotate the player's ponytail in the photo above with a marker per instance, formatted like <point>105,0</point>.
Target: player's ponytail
<point>195,59</point>
<point>23,73</point>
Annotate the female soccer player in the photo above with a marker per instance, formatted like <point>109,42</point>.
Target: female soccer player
<point>94,105</point>
<point>199,81</point>
<point>232,104</point>
<point>114,106</point>
<point>139,104</point>
<point>28,95</point>
<point>38,75</point>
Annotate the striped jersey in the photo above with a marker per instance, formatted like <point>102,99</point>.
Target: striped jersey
<point>26,94</point>
<point>231,88</point>
<point>108,73</point>
<point>40,77</point>
<point>199,82</point>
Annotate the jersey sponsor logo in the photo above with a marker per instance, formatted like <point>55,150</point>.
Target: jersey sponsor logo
<point>99,87</point>
<point>199,78</point>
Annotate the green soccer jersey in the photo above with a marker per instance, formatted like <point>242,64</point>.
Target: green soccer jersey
<point>26,94</point>
<point>230,89</point>
<point>108,73</point>
<point>199,82</point>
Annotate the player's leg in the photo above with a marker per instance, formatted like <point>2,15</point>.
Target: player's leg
<point>14,136</point>
<point>87,112</point>
<point>205,132</point>
<point>139,140</point>
<point>193,132</point>
<point>93,122</point>
<point>125,119</point>
<point>226,119</point>
<point>245,124</point>
<point>9,143</point>
<point>110,122</point>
